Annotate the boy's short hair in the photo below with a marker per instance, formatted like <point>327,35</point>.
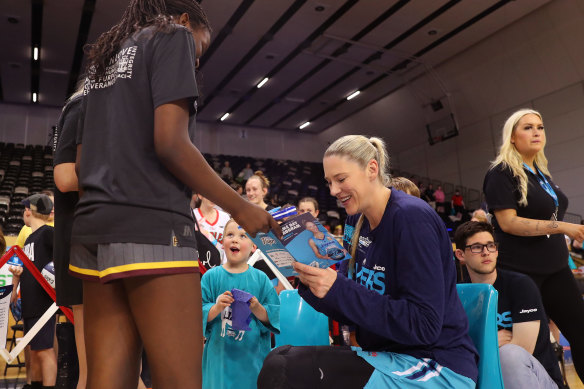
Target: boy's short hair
<point>232,220</point>
<point>39,203</point>
<point>468,229</point>
<point>405,185</point>
<point>40,216</point>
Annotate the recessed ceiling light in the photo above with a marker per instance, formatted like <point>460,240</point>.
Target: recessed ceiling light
<point>319,8</point>
<point>225,116</point>
<point>353,95</point>
<point>432,32</point>
<point>35,53</point>
<point>262,82</point>
<point>13,20</point>
<point>304,125</point>
<point>34,97</point>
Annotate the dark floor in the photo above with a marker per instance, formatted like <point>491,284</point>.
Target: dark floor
<point>10,383</point>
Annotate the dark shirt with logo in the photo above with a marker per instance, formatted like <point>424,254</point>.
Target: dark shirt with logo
<point>403,296</point>
<point>519,302</point>
<point>526,254</point>
<point>128,194</point>
<point>39,249</point>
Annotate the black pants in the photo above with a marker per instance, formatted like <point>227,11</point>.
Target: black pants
<point>563,303</point>
<point>314,367</point>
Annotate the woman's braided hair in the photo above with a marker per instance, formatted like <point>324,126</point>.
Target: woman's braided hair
<point>138,15</point>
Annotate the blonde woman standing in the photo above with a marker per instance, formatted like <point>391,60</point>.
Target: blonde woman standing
<point>399,292</point>
<point>529,208</point>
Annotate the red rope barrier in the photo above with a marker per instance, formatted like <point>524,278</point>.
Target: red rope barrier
<point>15,250</point>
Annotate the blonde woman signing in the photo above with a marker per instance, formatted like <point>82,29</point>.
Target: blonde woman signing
<point>399,292</point>
<point>529,209</point>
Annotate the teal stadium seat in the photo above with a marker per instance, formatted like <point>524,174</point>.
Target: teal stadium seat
<point>300,324</point>
<point>480,304</point>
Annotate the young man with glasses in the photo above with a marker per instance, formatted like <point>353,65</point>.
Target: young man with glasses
<point>527,358</point>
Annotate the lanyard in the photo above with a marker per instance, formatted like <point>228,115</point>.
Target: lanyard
<point>544,184</point>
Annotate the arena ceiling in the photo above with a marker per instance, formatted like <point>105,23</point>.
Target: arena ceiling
<point>315,53</point>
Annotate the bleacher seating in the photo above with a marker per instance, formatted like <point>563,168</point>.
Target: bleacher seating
<point>23,170</point>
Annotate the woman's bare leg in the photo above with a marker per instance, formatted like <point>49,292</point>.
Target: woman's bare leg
<point>113,346</point>
<point>168,313</point>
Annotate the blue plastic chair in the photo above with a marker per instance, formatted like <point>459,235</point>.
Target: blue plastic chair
<point>300,324</point>
<point>480,304</point>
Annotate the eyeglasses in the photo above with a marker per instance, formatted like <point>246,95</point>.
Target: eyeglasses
<point>477,248</point>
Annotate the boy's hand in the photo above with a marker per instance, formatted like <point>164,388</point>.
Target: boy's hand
<point>15,270</point>
<point>258,310</point>
<point>13,297</point>
<point>254,303</point>
<point>224,300</point>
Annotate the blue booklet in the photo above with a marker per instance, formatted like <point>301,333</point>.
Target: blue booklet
<point>304,240</point>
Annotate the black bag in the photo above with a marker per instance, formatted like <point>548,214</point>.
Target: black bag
<point>209,256</point>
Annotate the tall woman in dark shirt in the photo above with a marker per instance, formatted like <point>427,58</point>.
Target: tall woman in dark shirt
<point>529,209</point>
<point>137,166</point>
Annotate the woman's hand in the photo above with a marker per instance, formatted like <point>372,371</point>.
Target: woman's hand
<point>319,281</point>
<point>254,219</point>
<point>574,231</point>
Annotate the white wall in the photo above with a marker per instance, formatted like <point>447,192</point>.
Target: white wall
<point>27,124</point>
<point>215,138</point>
<point>536,62</point>
<point>31,124</point>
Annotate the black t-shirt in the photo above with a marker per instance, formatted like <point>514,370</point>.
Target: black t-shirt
<point>65,152</point>
<point>129,196</point>
<point>526,254</point>
<point>39,249</point>
<point>519,302</point>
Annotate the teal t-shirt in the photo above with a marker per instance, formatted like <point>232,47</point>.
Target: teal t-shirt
<point>232,358</point>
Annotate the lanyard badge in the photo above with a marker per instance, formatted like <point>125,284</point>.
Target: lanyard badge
<point>543,182</point>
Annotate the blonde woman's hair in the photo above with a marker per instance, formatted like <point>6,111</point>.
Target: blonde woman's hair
<point>264,182</point>
<point>510,158</point>
<point>405,185</point>
<point>361,149</point>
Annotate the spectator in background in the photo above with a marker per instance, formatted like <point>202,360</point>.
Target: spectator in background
<point>457,203</point>
<point>528,209</point>
<point>226,172</point>
<point>25,231</point>
<point>479,216</point>
<point>308,204</point>
<point>246,173</point>
<point>405,185</point>
<point>527,357</point>
<point>212,222</point>
<point>256,189</point>
<point>237,187</point>
<point>440,197</point>
<point>428,196</point>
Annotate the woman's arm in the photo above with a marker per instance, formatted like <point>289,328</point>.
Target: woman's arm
<point>516,225</point>
<point>315,250</point>
<point>177,153</point>
<point>65,177</point>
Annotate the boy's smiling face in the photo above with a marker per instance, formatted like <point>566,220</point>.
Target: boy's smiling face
<point>237,245</point>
